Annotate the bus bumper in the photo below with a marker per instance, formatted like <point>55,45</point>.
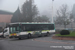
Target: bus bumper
<point>14,37</point>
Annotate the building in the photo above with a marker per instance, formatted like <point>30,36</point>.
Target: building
<point>5,17</point>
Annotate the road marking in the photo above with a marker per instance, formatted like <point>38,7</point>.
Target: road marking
<point>64,47</point>
<point>53,42</point>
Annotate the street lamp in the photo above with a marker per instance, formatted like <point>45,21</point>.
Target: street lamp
<point>52,11</point>
<point>72,20</point>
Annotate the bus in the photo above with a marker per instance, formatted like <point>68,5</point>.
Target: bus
<point>26,29</point>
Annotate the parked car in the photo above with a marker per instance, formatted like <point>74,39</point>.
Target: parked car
<point>1,34</point>
<point>5,32</point>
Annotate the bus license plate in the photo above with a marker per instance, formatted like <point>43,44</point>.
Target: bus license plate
<point>13,34</point>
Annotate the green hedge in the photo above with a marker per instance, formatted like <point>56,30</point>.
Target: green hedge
<point>72,34</point>
<point>65,32</point>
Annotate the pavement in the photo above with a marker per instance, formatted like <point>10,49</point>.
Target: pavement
<point>38,43</point>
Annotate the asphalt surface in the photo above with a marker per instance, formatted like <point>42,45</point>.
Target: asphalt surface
<point>40,43</point>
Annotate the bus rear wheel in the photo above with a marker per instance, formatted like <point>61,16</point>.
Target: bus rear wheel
<point>47,34</point>
<point>29,35</point>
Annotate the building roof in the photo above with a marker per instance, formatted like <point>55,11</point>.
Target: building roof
<point>5,12</point>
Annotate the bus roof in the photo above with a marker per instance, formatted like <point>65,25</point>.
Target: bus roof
<point>31,23</point>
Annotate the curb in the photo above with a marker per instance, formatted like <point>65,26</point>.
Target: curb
<point>63,38</point>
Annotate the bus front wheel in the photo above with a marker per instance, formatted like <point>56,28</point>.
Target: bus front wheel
<point>20,38</point>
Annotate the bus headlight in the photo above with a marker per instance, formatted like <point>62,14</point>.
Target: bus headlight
<point>9,35</point>
<point>17,35</point>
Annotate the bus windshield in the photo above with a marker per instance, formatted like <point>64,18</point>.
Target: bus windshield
<point>14,29</point>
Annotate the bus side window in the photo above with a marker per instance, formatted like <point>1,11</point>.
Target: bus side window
<point>13,28</point>
<point>51,27</point>
<point>23,28</point>
<point>17,28</point>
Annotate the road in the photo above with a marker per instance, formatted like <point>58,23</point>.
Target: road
<point>41,43</point>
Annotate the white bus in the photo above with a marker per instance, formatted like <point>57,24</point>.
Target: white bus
<point>22,29</point>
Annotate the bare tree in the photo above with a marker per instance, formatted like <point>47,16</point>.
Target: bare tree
<point>73,12</point>
<point>71,19</point>
<point>63,16</point>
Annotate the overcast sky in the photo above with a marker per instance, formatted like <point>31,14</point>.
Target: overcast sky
<point>43,5</point>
